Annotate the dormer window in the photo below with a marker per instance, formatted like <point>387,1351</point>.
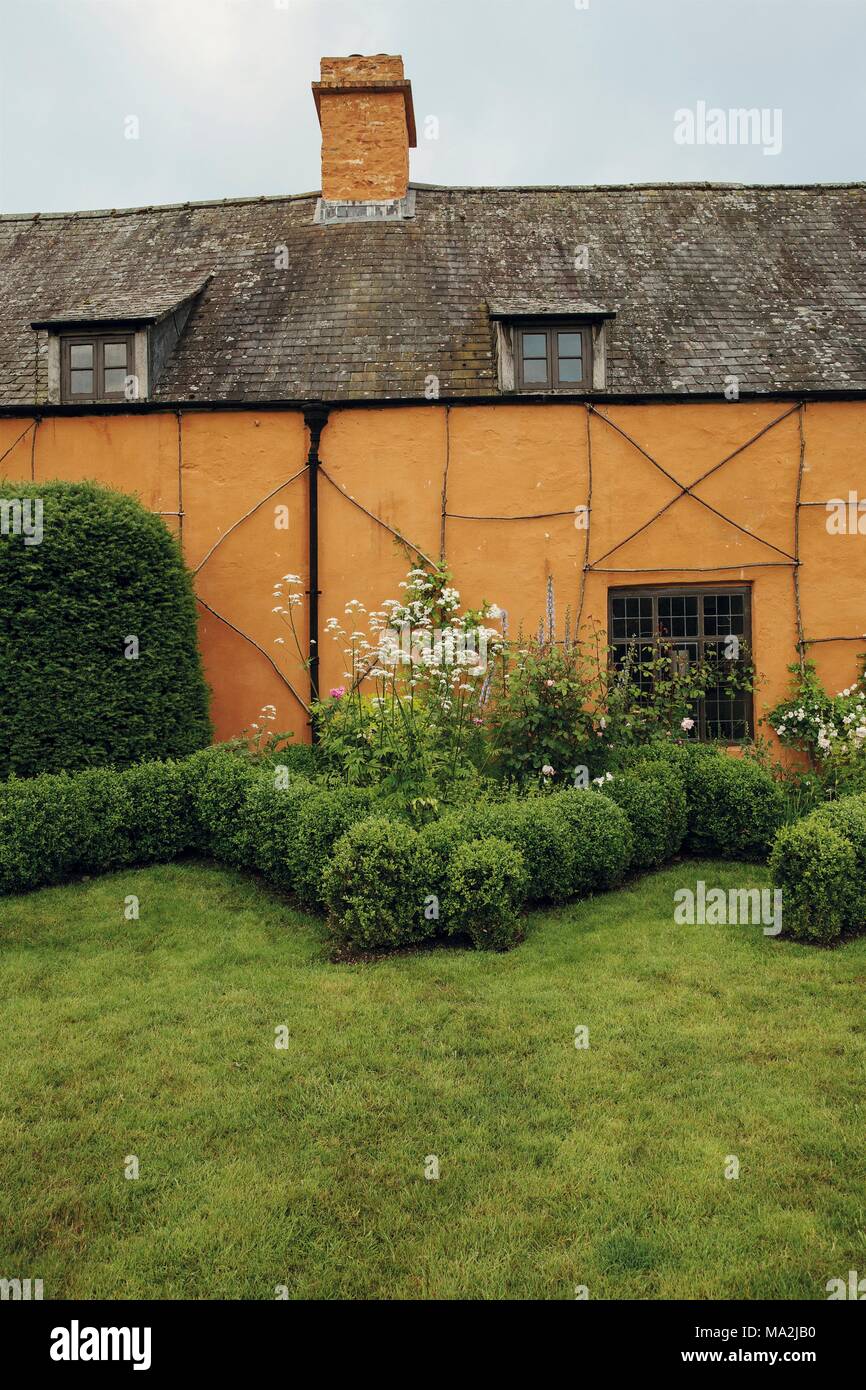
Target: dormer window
<point>113,347</point>
<point>553,356</point>
<point>97,367</point>
<point>544,346</point>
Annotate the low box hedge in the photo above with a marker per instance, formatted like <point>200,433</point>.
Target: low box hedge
<point>820,865</point>
<point>735,809</point>
<point>333,848</point>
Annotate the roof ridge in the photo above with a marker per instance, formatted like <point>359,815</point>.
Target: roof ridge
<point>141,210</point>
<point>85,213</point>
<point>633,187</point>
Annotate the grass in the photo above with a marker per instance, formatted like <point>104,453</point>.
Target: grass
<point>304,1167</point>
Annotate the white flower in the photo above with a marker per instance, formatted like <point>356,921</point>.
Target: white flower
<point>548,771</point>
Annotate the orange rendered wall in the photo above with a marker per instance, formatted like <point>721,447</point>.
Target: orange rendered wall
<point>219,476</point>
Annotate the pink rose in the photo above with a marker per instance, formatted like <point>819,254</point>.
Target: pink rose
<point>338,692</point>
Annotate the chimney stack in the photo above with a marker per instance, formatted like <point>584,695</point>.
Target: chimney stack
<point>368,127</point>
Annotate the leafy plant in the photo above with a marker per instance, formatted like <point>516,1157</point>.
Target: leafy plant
<point>829,729</point>
<point>408,718</point>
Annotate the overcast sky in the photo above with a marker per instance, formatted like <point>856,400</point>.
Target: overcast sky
<point>525,91</point>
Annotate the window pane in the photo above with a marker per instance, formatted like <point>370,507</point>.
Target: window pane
<point>81,355</point>
<point>570,369</point>
<point>115,378</point>
<point>535,370</point>
<point>535,345</point>
<point>115,355</point>
<point>690,627</point>
<point>678,616</point>
<point>570,344</point>
<point>81,383</point>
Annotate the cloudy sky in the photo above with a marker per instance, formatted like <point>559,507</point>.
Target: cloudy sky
<point>524,91</point>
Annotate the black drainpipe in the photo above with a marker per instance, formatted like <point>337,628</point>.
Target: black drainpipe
<point>315,419</point>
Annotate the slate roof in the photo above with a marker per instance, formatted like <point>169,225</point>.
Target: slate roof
<point>767,283</point>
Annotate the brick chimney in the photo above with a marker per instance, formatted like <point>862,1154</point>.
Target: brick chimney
<point>368,127</point>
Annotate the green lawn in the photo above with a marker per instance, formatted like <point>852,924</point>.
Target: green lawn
<point>304,1167</point>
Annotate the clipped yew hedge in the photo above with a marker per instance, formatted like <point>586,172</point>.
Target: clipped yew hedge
<point>71,696</point>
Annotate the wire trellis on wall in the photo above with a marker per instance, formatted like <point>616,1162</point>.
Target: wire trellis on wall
<point>791,559</point>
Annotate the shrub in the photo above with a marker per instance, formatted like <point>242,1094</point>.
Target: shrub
<point>653,797</point>
<point>599,840</point>
<point>269,820</point>
<point>40,831</point>
<point>531,824</point>
<point>103,837</point>
<point>298,758</point>
<point>105,571</point>
<point>160,821</point>
<point>534,826</point>
<point>372,887</point>
<point>848,816</point>
<point>485,892</point>
<point>646,803</point>
<point>217,781</point>
<point>57,825</point>
<point>816,868</point>
<point>735,808</point>
<point>322,819</point>
<point>539,710</point>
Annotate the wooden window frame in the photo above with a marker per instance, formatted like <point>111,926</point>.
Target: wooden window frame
<point>701,639</point>
<point>97,341</point>
<point>550,327</point>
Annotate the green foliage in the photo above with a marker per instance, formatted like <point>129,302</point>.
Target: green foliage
<point>485,892</point>
<point>600,841</point>
<point>40,831</point>
<point>848,816</point>
<point>558,706</point>
<point>656,810</point>
<point>540,713</point>
<point>373,887</point>
<point>106,570</point>
<point>159,817</point>
<point>645,693</point>
<point>322,819</point>
<point>268,826</point>
<point>532,825</point>
<point>734,808</point>
<point>816,868</point>
<point>217,782</point>
<point>670,778</point>
<point>58,825</point>
<point>830,729</point>
<point>104,839</point>
<point>408,720</point>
